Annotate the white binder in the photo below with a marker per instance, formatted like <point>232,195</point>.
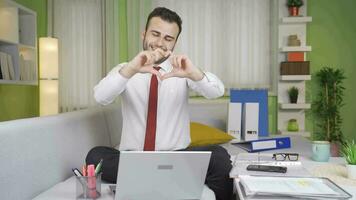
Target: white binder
<point>234,121</point>
<point>250,121</point>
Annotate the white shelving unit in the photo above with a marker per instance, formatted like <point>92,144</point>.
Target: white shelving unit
<point>18,38</point>
<point>291,26</point>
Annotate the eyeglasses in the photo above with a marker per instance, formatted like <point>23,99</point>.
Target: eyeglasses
<point>284,156</point>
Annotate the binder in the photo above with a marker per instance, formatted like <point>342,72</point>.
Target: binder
<point>234,121</point>
<point>250,121</point>
<point>265,144</point>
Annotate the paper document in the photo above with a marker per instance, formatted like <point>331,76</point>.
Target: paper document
<point>283,185</point>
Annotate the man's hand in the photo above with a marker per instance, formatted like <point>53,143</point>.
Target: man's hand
<point>144,63</point>
<point>184,68</point>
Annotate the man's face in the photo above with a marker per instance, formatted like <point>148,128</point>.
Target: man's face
<point>160,34</point>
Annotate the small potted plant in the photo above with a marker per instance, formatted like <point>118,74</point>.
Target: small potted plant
<point>293,7</point>
<point>293,94</point>
<point>349,152</point>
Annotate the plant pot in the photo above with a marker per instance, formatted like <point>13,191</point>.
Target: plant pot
<point>351,171</point>
<point>293,125</point>
<point>293,11</point>
<point>335,149</point>
<point>321,151</point>
<point>293,99</point>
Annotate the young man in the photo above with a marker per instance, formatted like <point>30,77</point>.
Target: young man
<point>154,89</point>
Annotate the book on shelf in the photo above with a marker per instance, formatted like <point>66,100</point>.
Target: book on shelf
<point>295,68</point>
<point>4,66</point>
<point>11,67</point>
<point>0,72</point>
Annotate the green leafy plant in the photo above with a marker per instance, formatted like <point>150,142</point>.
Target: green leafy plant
<point>293,93</point>
<point>327,105</point>
<point>349,152</point>
<point>294,3</point>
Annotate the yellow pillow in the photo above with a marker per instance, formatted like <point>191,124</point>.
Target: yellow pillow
<point>203,135</point>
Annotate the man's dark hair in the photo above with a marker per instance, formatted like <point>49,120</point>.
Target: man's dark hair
<point>166,15</point>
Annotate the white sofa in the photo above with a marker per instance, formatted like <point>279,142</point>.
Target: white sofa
<point>37,154</point>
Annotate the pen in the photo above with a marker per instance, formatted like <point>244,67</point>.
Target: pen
<point>98,167</point>
<point>77,172</point>
<point>84,170</point>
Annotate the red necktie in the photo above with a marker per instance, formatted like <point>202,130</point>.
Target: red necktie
<point>150,137</point>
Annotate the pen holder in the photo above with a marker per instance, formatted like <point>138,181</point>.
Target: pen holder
<point>88,187</point>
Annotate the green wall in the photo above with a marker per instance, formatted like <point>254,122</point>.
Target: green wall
<point>22,101</point>
<point>332,35</point>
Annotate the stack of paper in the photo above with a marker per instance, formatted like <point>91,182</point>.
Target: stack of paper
<point>290,187</point>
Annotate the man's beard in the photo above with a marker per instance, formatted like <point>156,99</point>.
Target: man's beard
<point>148,47</point>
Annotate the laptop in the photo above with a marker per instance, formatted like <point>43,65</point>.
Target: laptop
<point>161,175</point>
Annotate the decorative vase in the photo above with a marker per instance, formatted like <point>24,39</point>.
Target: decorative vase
<point>335,149</point>
<point>351,171</point>
<point>293,11</point>
<point>293,125</point>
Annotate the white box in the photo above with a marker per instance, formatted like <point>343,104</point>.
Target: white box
<point>250,121</point>
<point>234,121</point>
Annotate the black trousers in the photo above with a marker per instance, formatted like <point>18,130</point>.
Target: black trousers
<point>217,178</point>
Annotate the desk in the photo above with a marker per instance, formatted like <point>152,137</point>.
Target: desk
<point>334,169</point>
<point>66,191</point>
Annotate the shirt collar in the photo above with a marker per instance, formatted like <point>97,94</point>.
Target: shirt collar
<point>166,65</point>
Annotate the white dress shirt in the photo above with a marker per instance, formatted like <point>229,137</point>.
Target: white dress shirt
<point>172,130</point>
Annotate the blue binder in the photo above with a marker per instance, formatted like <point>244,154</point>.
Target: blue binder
<point>259,96</point>
<point>265,144</point>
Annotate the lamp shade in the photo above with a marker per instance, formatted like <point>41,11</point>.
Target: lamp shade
<point>48,58</point>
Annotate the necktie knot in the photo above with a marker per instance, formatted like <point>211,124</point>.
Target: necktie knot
<point>157,68</point>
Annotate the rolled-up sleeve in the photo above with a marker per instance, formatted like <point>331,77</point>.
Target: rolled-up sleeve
<point>210,86</point>
<point>111,86</point>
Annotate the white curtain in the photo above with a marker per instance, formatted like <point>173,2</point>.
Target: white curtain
<point>230,38</point>
<point>77,25</point>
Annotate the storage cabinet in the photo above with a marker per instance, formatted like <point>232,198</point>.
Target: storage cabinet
<point>18,41</point>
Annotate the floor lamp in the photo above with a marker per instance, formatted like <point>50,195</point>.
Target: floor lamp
<point>48,75</point>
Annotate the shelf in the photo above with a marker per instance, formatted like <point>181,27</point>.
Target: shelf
<point>295,20</point>
<point>7,42</point>
<point>18,40</point>
<point>298,106</point>
<point>295,77</point>
<point>297,48</point>
<point>16,82</point>
<point>24,46</point>
<point>301,133</point>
